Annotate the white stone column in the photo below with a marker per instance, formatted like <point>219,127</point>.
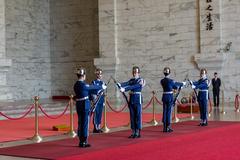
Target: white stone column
<point>108,41</point>
<point>4,62</point>
<point>210,36</point>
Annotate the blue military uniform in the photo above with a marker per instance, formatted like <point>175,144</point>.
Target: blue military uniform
<point>134,85</point>
<point>168,100</point>
<point>83,108</point>
<point>99,107</point>
<point>202,85</point>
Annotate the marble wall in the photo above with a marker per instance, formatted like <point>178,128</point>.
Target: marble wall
<point>157,33</point>
<point>74,41</point>
<point>42,41</point>
<point>27,45</point>
<point>45,40</point>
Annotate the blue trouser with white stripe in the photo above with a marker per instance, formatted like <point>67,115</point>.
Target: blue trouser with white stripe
<point>136,116</point>
<point>83,109</point>
<point>98,114</point>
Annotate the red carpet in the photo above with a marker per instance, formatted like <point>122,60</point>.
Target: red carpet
<point>219,140</point>
<point>12,130</point>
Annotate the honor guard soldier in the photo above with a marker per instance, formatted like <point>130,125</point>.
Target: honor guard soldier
<point>202,85</point>
<point>83,106</point>
<point>134,85</point>
<point>99,107</point>
<point>167,98</point>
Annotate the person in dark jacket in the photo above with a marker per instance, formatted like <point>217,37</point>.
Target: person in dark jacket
<point>216,84</point>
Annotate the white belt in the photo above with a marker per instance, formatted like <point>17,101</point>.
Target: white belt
<point>171,92</point>
<point>203,90</point>
<point>81,99</point>
<point>135,92</point>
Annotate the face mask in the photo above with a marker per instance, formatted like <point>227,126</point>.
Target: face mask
<point>136,75</point>
<point>203,76</point>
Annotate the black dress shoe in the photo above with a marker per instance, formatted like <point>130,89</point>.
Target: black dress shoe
<point>84,145</point>
<point>96,131</point>
<point>205,124</point>
<point>138,136</point>
<point>169,130</point>
<point>132,136</point>
<point>100,131</point>
<point>200,124</point>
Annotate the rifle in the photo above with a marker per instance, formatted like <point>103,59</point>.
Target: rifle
<point>99,95</point>
<point>123,93</point>
<point>195,92</point>
<point>179,90</point>
<point>94,105</point>
<point>176,97</point>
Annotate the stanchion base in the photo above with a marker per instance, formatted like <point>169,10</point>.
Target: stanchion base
<point>192,117</point>
<point>72,134</point>
<point>153,122</point>
<point>105,129</point>
<point>176,120</point>
<point>223,112</point>
<point>36,138</point>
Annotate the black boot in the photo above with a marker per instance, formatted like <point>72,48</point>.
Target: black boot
<point>84,143</point>
<point>138,135</point>
<point>81,140</point>
<point>133,135</point>
<point>164,127</point>
<point>169,129</point>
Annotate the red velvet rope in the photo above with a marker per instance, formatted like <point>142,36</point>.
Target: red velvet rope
<point>23,116</point>
<point>237,102</point>
<point>116,111</point>
<point>53,117</point>
<point>148,104</point>
<point>158,101</point>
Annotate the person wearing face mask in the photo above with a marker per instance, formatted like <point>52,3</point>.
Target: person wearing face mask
<point>134,86</point>
<point>97,117</point>
<point>82,89</point>
<point>202,85</point>
<point>167,98</point>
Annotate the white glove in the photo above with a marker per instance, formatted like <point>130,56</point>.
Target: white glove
<point>142,82</point>
<point>122,89</point>
<point>94,96</point>
<point>119,84</point>
<point>104,86</point>
<point>193,86</point>
<point>184,83</point>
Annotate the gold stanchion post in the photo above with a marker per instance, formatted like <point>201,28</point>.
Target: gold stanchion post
<point>105,129</point>
<point>223,112</point>
<point>191,107</point>
<point>36,138</point>
<point>175,118</point>
<point>154,121</point>
<point>71,133</point>
<point>237,110</point>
